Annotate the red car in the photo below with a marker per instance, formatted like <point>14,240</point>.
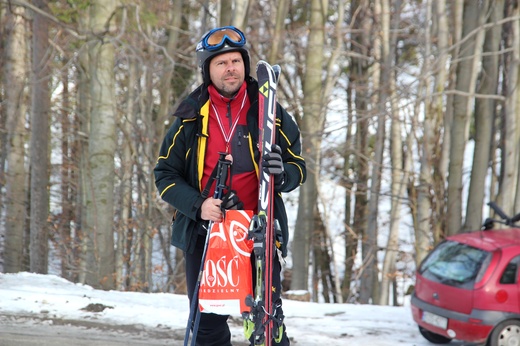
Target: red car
<point>468,287</point>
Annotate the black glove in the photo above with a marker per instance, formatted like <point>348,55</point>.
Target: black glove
<point>231,201</point>
<point>273,164</point>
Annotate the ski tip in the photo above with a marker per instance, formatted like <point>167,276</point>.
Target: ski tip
<point>277,71</point>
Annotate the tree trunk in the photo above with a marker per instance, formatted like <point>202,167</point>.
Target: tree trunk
<point>126,225</point>
<point>427,193</point>
<point>166,90</point>
<point>510,124</point>
<point>441,152</point>
<point>3,125</point>
<point>515,99</point>
<point>465,84</point>
<point>324,279</point>
<point>278,34</point>
<point>102,144</point>
<point>369,276</point>
<point>82,128</point>
<point>240,15</point>
<point>15,69</point>
<point>516,102</point>
<point>68,176</point>
<point>398,167</point>
<point>485,112</point>
<point>350,235</point>
<point>226,12</point>
<point>39,148</point>
<point>165,84</point>
<point>312,127</point>
<point>359,78</point>
<point>146,187</point>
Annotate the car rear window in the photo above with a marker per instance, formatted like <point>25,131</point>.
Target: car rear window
<point>455,264</point>
<point>510,274</point>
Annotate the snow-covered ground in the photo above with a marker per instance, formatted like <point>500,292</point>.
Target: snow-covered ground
<point>308,324</point>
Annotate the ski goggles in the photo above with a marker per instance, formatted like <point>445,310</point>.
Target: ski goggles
<point>219,37</point>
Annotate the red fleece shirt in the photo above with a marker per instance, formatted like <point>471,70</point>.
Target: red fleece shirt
<point>230,135</point>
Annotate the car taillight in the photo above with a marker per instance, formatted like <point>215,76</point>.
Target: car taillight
<point>501,296</point>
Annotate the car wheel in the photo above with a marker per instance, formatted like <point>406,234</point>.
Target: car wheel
<point>434,338</point>
<point>506,333</point>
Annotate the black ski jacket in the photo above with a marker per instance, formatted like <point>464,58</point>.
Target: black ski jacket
<point>178,172</point>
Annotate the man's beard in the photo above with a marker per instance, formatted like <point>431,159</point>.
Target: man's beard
<point>226,90</point>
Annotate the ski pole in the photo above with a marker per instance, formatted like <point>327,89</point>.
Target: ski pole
<point>194,317</point>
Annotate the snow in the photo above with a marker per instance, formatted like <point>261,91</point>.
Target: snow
<point>308,324</point>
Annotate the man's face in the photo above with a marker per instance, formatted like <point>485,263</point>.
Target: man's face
<point>227,72</point>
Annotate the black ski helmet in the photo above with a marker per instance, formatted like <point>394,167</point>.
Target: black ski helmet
<point>228,39</point>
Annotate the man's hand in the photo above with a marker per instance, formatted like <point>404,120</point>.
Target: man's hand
<point>272,163</point>
<point>231,201</point>
<point>210,210</point>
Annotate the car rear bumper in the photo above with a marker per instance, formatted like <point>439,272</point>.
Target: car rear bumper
<point>474,327</point>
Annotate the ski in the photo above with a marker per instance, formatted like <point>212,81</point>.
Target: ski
<point>263,225</point>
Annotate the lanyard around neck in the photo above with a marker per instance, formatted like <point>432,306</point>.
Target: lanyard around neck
<point>227,136</point>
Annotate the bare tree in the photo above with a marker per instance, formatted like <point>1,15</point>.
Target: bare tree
<point>469,56</point>
<point>234,12</point>
<point>369,277</point>
<point>3,120</point>
<point>278,33</point>
<point>390,23</point>
<point>15,76</point>
<point>226,12</point>
<point>125,230</point>
<point>439,224</point>
<point>350,236</point>
<point>312,128</point>
<point>430,154</point>
<point>485,113</point>
<point>241,13</point>
<point>513,100</point>
<point>99,217</point>
<point>359,82</point>
<point>63,230</point>
<point>81,131</point>
<point>510,124</point>
<point>39,148</point>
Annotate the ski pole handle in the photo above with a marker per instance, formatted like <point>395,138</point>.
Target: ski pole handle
<point>222,173</point>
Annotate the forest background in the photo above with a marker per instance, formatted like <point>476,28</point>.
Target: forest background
<point>389,95</point>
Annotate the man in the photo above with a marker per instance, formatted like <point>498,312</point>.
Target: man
<point>221,115</point>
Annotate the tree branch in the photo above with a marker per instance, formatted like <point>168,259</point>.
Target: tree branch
<point>46,15</point>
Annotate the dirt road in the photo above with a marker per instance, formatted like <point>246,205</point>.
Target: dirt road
<point>28,331</point>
